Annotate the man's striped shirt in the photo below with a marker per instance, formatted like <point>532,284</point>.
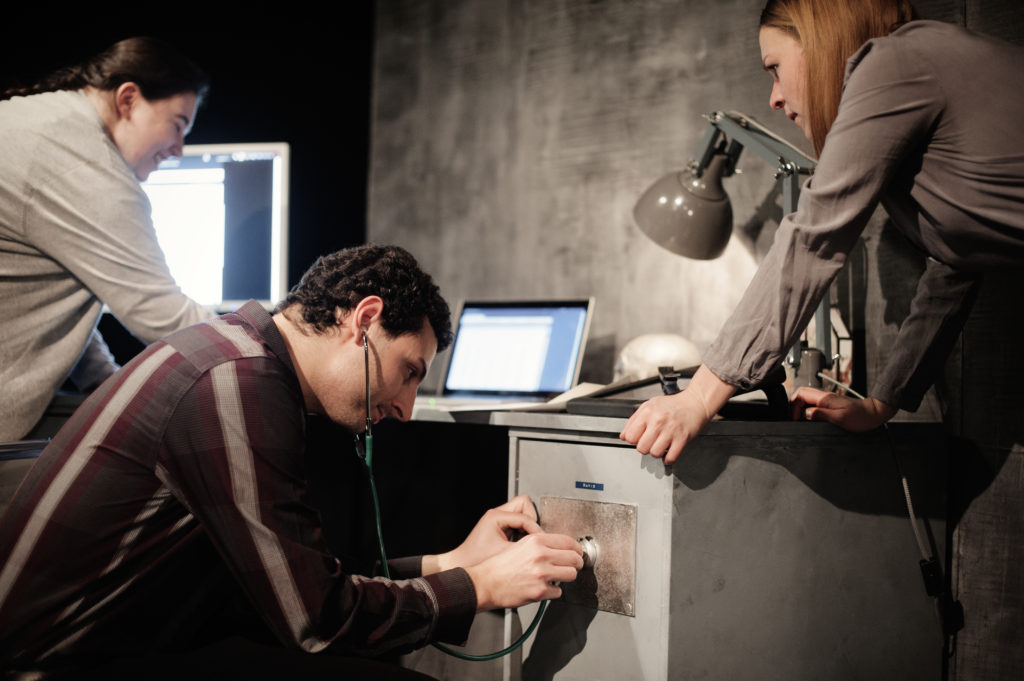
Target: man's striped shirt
<point>184,467</point>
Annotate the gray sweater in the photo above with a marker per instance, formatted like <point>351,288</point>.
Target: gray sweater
<point>930,126</point>
<point>75,233</point>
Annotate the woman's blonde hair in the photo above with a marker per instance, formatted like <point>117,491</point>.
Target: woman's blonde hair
<point>830,31</point>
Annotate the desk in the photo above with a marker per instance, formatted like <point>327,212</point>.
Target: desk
<point>770,550</point>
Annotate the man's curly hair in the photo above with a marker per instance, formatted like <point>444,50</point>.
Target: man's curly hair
<point>342,279</point>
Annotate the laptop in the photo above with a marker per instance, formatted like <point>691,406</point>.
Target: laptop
<point>513,352</point>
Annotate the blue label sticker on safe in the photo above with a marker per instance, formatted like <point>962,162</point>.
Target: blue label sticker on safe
<point>580,484</point>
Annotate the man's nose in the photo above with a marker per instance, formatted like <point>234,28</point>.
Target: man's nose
<point>401,406</point>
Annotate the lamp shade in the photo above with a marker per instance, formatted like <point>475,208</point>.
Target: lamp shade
<point>686,214</point>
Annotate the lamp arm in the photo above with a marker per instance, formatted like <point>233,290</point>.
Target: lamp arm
<point>709,146</point>
<point>742,131</point>
<point>762,141</point>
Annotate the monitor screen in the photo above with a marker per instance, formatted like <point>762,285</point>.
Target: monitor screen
<point>221,216</point>
<point>524,347</point>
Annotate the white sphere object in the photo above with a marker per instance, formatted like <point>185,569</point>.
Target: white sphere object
<point>642,356</point>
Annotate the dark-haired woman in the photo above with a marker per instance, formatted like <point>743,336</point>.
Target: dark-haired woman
<point>920,116</point>
<point>75,226</point>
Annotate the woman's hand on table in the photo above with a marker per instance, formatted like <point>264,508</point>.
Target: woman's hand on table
<point>853,414</point>
<point>664,425</point>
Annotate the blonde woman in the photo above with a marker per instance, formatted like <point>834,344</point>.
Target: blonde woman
<point>920,116</point>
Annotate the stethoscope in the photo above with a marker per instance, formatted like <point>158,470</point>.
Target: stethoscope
<point>364,450</point>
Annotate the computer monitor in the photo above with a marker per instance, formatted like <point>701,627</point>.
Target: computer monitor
<point>221,217</point>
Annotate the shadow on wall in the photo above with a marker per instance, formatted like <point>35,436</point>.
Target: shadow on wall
<point>561,636</point>
<point>758,232</point>
<point>599,360</point>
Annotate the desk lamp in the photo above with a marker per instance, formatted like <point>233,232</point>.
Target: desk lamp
<point>688,211</point>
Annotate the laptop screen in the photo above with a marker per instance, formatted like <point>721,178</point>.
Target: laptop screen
<point>517,348</point>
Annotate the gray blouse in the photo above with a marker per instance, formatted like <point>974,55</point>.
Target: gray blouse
<point>930,126</point>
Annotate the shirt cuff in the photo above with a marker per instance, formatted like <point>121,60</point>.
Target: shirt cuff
<point>456,604</point>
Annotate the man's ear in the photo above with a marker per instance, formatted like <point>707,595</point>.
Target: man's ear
<point>125,97</point>
<point>367,312</point>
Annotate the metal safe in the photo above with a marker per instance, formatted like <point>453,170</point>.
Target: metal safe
<point>770,550</point>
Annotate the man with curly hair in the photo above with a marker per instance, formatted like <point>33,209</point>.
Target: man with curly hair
<point>164,532</point>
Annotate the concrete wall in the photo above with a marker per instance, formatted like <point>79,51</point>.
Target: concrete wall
<point>510,139</point>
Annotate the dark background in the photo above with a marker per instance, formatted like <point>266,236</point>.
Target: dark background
<point>271,80</point>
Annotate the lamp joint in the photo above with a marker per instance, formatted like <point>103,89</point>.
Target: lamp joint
<point>785,169</point>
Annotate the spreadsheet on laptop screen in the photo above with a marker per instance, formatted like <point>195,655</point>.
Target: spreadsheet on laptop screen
<point>522,348</point>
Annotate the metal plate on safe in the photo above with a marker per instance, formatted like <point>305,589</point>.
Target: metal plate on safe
<point>610,585</point>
